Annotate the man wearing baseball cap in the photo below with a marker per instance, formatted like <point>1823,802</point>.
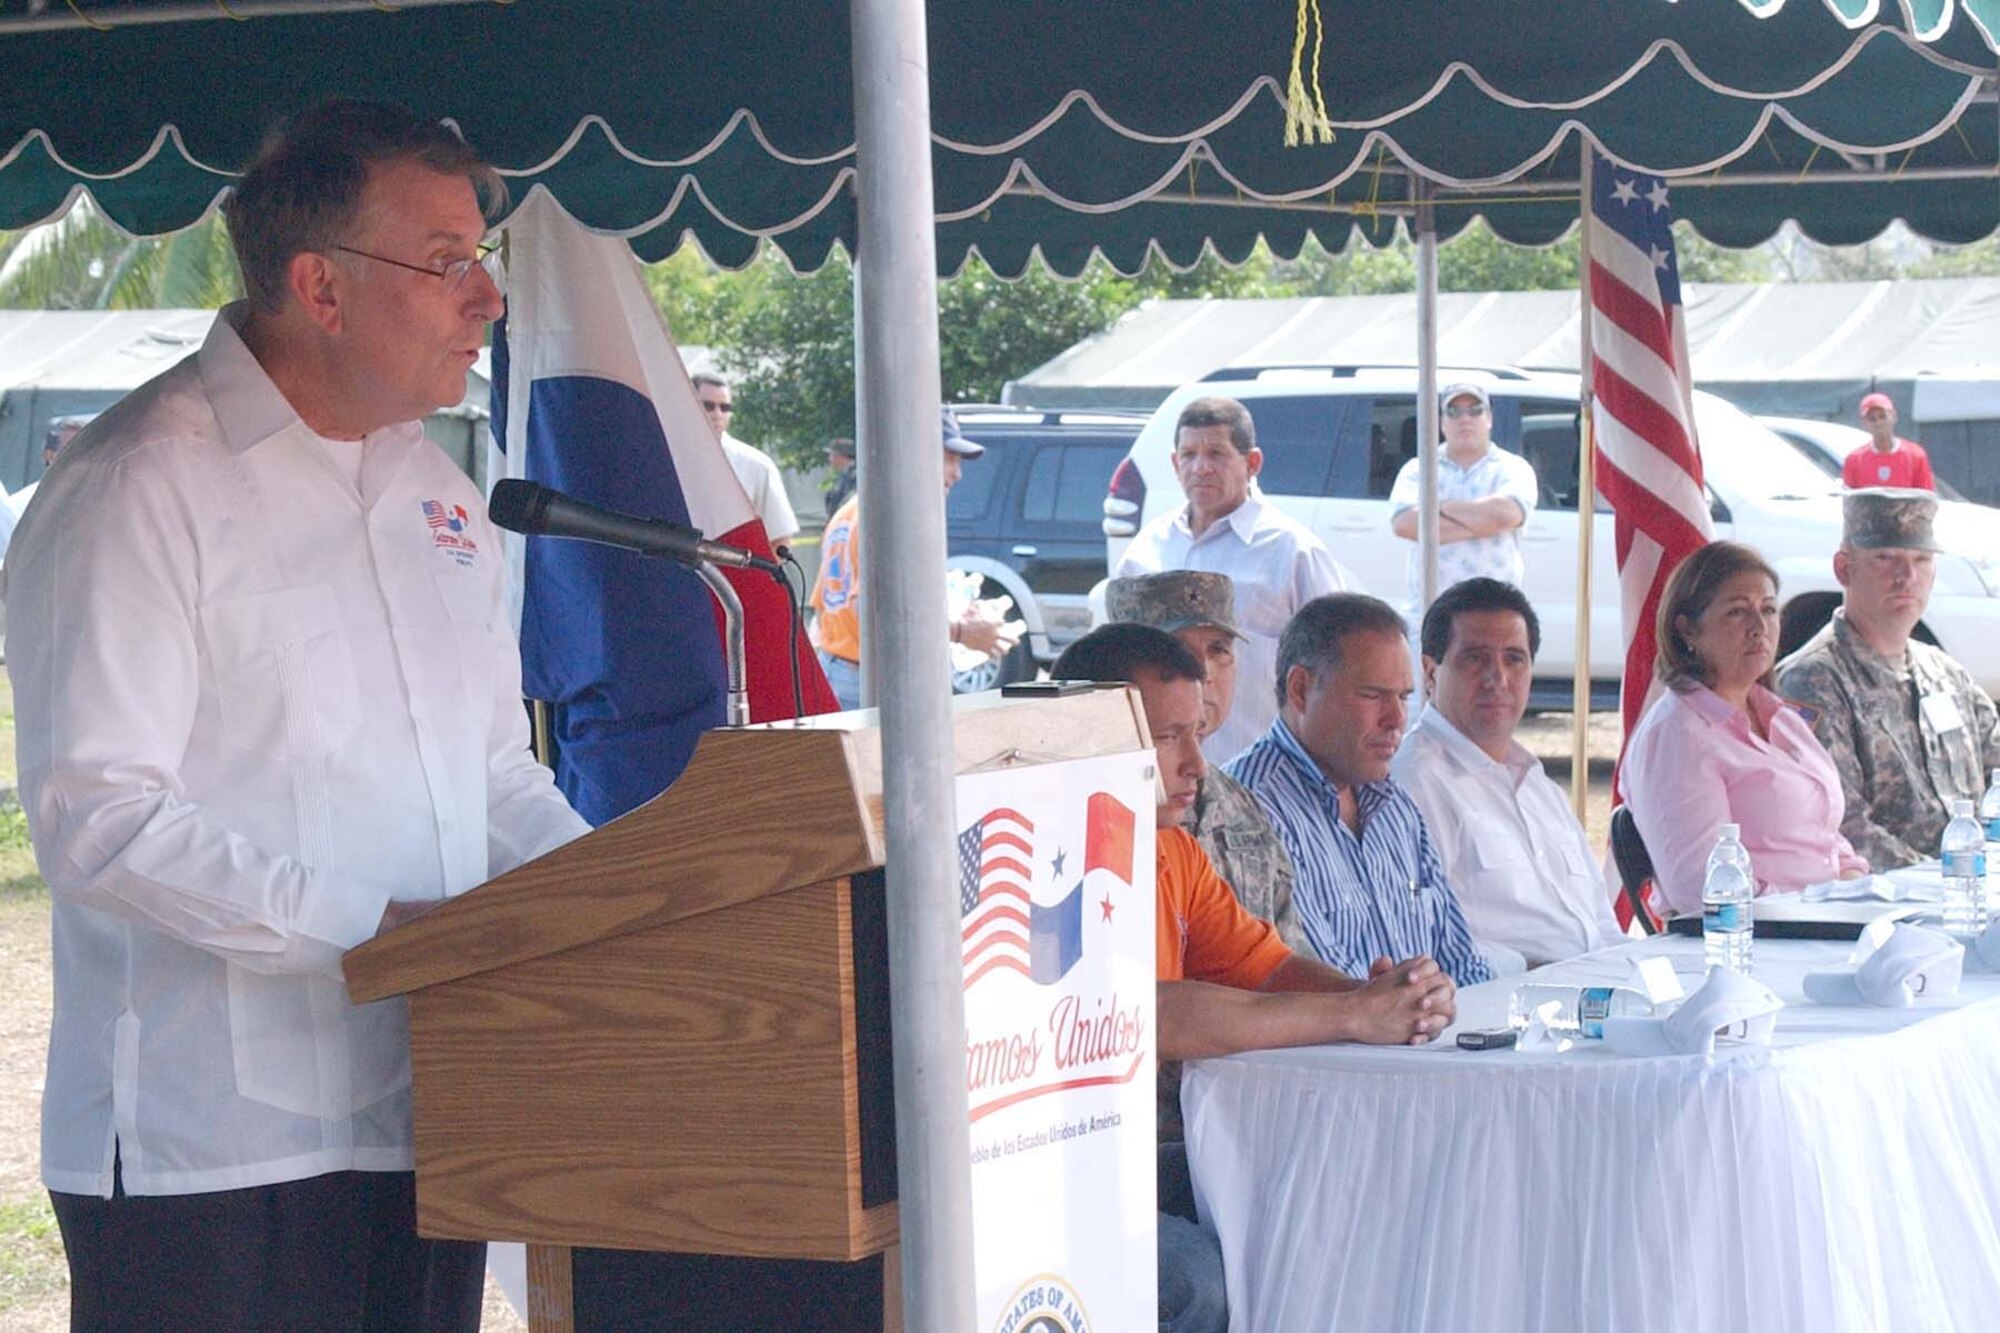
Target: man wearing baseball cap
<point>1908,728</point>
<point>836,595</point>
<point>1887,459</point>
<point>1199,609</point>
<point>1485,494</point>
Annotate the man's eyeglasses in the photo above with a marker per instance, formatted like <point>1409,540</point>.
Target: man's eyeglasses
<point>452,275</point>
<point>1466,410</point>
<point>724,408</point>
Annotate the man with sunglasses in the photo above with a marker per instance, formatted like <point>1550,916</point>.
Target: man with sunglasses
<point>1485,494</point>
<point>762,481</point>
<point>268,706</point>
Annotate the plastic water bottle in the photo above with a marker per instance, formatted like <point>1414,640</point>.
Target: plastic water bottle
<point>1727,891</point>
<point>1580,1010</point>
<point>1964,857</point>
<point>1989,820</point>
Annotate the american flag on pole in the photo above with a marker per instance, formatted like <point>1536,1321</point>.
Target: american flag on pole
<point>1648,462</point>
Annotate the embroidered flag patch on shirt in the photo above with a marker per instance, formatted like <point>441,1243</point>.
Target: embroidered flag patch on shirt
<point>448,525</point>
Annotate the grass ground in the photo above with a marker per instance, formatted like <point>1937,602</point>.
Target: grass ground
<point>34,1282</point>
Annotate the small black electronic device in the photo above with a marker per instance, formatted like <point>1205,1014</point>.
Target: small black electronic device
<point>1048,689</point>
<point>1488,1039</point>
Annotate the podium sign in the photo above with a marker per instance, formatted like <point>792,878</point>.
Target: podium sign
<point>1056,885</point>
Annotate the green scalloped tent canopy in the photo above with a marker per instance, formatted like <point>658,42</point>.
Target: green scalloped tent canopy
<point>1118,127</point>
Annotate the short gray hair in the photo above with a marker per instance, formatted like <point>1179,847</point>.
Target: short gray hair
<point>1313,636</point>
<point>303,190</point>
<point>1219,411</point>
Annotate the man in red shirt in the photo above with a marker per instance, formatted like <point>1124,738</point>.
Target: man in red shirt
<point>1226,981</point>
<point>1885,460</point>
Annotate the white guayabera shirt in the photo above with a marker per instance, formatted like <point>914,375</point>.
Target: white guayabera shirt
<point>257,699</point>
<point>1275,564</point>
<point>1519,861</point>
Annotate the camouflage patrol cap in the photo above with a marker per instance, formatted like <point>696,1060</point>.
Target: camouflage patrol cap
<point>1889,517</point>
<point>1173,601</point>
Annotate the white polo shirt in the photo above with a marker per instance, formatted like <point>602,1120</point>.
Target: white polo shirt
<point>765,485</point>
<point>254,705</point>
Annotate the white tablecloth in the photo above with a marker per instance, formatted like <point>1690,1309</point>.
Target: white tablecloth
<point>1846,1178</point>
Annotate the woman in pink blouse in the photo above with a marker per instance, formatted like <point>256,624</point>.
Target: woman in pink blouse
<point>1719,747</point>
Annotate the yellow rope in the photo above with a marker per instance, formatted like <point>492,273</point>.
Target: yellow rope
<point>1808,162</point>
<point>87,19</point>
<point>1306,121</point>
<point>1370,207</point>
<point>228,13</point>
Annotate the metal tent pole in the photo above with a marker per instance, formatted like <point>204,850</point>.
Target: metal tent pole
<point>1586,515</point>
<point>902,577</point>
<point>1427,395</point>
<point>861,454</point>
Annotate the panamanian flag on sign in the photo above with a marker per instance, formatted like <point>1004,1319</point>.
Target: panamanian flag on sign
<point>590,397</point>
<point>1000,862</point>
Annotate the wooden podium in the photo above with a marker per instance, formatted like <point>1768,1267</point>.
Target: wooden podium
<point>673,1033</point>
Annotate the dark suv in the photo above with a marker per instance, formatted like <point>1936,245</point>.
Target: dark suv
<point>1027,517</point>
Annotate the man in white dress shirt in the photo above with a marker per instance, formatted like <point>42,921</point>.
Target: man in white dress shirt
<point>268,700</point>
<point>1485,495</point>
<point>762,481</point>
<point>1520,862</point>
<point>1227,527</point>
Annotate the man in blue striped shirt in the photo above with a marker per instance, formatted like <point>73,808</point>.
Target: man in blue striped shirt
<point>1370,885</point>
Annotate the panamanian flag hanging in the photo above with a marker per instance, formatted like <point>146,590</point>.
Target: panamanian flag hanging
<point>590,397</point>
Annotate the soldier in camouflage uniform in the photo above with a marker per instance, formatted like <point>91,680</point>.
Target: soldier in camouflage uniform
<point>1199,609</point>
<point>1908,727</point>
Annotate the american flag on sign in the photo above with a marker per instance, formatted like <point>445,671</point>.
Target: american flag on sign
<point>1005,928</point>
<point>1648,460</point>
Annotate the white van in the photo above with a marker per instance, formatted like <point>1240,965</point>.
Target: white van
<point>1334,438</point>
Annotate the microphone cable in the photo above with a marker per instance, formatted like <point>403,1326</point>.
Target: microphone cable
<point>795,603</point>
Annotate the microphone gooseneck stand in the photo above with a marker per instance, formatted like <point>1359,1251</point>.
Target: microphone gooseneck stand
<point>737,709</point>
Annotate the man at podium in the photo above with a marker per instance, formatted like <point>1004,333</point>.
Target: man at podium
<point>268,703</point>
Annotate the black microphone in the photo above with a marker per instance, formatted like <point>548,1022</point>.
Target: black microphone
<point>536,511</point>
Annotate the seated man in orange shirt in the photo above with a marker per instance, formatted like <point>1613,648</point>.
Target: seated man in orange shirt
<point>1226,982</point>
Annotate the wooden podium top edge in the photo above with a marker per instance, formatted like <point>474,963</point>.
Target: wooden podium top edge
<point>760,810</point>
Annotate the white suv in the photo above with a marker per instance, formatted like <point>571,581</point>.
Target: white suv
<point>1334,438</point>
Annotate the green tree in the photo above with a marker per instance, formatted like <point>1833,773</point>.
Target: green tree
<point>81,261</point>
<point>1259,275</point>
<point>1702,260</point>
<point>1981,259</point>
<point>1476,260</point>
<point>1359,270</point>
<point>787,339</point>
<point>689,290</point>
<point>991,330</point>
